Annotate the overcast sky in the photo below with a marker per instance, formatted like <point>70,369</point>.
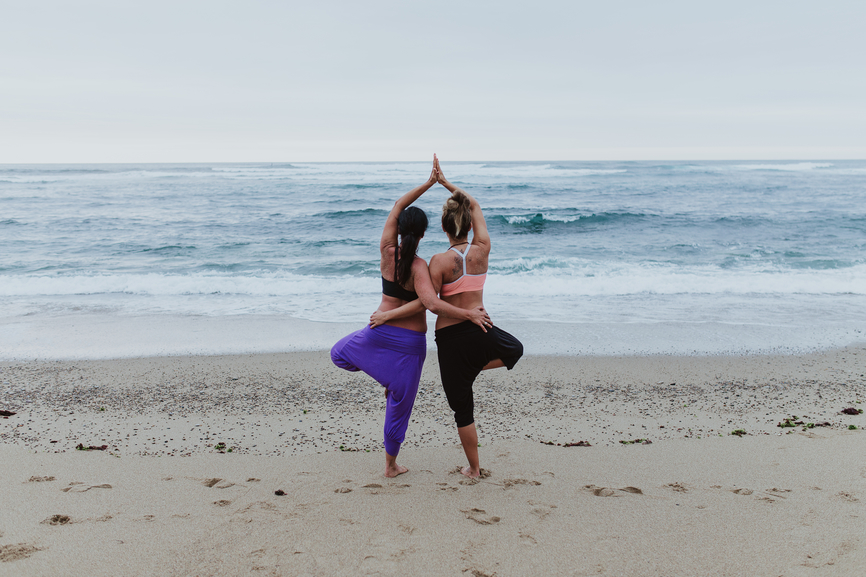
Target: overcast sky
<point>327,80</point>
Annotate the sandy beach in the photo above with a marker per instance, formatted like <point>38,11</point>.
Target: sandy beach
<point>196,447</point>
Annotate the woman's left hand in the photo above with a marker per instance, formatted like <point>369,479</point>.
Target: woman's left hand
<point>434,174</point>
<point>480,317</point>
<point>378,318</point>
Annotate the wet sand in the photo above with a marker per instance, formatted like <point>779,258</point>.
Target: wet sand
<point>197,446</point>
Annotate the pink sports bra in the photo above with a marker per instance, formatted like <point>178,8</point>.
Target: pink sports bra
<point>466,282</point>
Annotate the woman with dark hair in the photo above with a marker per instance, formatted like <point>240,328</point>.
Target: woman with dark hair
<point>458,275</point>
<point>393,353</point>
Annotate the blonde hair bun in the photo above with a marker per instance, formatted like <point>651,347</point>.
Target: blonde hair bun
<point>457,215</point>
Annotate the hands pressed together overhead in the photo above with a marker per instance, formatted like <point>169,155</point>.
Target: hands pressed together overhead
<point>436,174</point>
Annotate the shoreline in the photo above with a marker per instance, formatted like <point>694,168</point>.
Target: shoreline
<point>96,336</point>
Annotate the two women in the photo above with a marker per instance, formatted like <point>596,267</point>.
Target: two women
<point>393,352</point>
<point>464,350</point>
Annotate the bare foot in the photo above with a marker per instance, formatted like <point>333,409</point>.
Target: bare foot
<point>392,470</point>
<point>470,473</point>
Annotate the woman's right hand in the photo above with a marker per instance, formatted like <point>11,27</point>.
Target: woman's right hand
<point>480,317</point>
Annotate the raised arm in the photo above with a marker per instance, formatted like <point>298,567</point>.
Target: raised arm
<point>389,233</point>
<point>480,236</point>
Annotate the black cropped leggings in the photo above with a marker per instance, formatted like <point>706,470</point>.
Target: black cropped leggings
<point>464,349</point>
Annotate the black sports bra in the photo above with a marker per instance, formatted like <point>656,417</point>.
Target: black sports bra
<point>392,289</point>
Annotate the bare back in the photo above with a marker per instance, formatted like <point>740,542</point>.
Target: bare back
<point>416,322</point>
<point>447,267</point>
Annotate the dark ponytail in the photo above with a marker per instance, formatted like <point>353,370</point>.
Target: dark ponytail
<point>411,225</point>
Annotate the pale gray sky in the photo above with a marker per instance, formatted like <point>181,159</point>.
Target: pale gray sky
<point>155,81</point>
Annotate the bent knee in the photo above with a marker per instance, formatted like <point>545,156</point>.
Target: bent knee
<point>341,362</point>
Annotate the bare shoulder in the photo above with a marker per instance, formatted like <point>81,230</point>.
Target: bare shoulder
<point>479,251</point>
<point>439,262</point>
<point>420,263</point>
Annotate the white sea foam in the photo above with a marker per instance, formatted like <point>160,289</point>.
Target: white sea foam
<point>127,241</point>
<point>265,284</point>
<point>669,280</point>
<point>791,167</point>
<point>525,277</point>
<point>401,172</point>
<point>523,219</point>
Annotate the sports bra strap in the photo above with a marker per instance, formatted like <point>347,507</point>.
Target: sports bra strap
<point>462,255</point>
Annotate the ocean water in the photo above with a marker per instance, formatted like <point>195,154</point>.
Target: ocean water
<point>684,251</point>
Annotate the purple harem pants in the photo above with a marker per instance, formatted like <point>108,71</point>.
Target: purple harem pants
<point>393,356</point>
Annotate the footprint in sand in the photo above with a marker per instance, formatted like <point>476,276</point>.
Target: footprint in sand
<point>480,516</point>
<point>510,483</point>
<point>57,520</point>
<point>80,488</point>
<point>610,492</point>
<point>484,474</point>
<point>780,493</point>
<point>222,503</point>
<point>343,490</point>
<point>678,487</point>
<point>217,483</point>
<point>600,491</point>
<point>847,496</point>
<point>742,491</point>
<point>36,479</point>
<point>374,488</point>
<point>543,511</point>
<point>17,551</point>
